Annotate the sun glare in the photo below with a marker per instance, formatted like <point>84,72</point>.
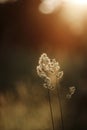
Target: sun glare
<point>73,11</point>
<point>49,6</point>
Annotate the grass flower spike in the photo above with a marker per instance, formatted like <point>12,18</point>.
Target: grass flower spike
<point>49,71</point>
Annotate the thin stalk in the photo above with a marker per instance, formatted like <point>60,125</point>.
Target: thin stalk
<point>62,124</point>
<point>50,108</point>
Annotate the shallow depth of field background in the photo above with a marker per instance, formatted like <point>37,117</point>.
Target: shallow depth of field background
<point>25,33</point>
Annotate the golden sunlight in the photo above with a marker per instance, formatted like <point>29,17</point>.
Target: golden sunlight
<point>73,13</point>
<point>77,2</point>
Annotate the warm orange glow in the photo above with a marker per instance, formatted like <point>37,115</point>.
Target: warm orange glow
<point>74,13</point>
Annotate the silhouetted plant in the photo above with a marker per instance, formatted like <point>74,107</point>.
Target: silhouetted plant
<point>49,70</point>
